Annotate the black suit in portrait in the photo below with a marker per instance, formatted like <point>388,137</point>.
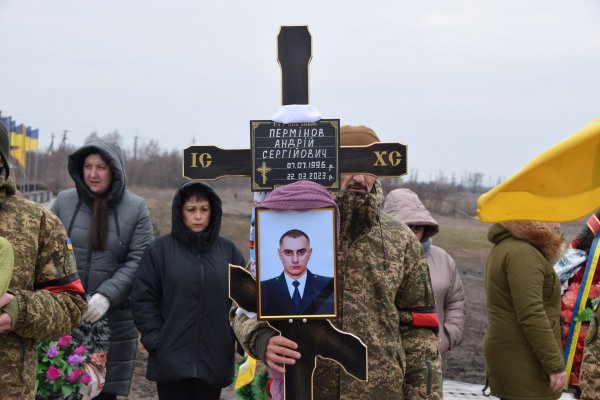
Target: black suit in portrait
<point>318,297</point>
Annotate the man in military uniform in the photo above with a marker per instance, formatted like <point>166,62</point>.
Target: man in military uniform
<point>589,376</point>
<point>385,299</point>
<point>45,295</point>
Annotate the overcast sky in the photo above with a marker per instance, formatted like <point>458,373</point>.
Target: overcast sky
<point>478,86</point>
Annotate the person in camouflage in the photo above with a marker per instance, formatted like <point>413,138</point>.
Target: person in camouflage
<point>45,296</point>
<point>589,377</point>
<point>385,299</point>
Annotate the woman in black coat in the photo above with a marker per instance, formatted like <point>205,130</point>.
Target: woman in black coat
<point>180,300</point>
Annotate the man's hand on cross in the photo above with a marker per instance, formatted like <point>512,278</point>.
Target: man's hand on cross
<point>280,352</point>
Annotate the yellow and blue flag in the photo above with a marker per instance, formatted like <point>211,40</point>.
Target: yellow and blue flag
<point>561,184</point>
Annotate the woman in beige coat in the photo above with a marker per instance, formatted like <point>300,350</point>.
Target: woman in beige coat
<point>405,206</point>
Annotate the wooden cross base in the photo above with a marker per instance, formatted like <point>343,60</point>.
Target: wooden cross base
<point>314,338</point>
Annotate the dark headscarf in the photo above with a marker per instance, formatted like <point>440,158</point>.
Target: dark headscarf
<point>196,242</point>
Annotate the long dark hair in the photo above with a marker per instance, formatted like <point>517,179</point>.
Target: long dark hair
<point>99,227</point>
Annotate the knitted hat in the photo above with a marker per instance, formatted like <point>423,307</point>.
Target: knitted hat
<point>300,195</point>
<point>357,135</point>
<point>4,147</point>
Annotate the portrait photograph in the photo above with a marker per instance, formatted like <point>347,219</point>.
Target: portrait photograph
<point>296,254</point>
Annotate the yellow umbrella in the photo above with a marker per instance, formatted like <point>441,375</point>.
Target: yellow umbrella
<point>561,184</point>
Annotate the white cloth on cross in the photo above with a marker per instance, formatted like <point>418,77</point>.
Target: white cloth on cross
<point>293,113</point>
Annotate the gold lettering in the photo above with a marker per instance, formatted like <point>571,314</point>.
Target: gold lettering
<point>204,159</point>
<point>395,157</point>
<point>379,155</point>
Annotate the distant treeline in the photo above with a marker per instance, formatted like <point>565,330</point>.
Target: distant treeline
<point>149,166</point>
<point>444,196</point>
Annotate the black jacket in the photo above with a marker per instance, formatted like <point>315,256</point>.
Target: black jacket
<point>180,300</point>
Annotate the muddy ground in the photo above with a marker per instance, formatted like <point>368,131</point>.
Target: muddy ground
<point>465,363</point>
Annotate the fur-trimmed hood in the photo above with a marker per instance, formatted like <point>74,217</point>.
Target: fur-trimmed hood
<point>547,241</point>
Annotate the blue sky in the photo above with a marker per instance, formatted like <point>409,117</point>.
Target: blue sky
<point>479,86</point>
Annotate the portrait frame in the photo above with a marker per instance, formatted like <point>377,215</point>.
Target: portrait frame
<point>296,245</point>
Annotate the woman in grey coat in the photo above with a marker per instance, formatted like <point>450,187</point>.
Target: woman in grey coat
<point>110,228</point>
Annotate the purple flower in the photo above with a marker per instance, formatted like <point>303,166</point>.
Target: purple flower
<point>52,352</point>
<point>74,359</point>
<point>80,349</point>
<point>85,379</point>
<point>73,376</point>
<point>63,342</point>
<point>53,373</point>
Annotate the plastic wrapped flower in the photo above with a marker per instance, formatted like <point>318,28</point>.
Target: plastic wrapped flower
<point>61,370</point>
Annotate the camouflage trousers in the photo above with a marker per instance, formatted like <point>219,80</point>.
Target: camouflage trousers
<point>589,377</point>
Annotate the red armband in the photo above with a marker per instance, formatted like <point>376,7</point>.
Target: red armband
<point>425,320</point>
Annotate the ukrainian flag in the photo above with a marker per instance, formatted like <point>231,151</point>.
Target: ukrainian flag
<point>561,184</point>
<point>31,139</point>
<point>17,142</point>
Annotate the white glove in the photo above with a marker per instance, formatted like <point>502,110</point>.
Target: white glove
<point>97,306</point>
<point>295,113</point>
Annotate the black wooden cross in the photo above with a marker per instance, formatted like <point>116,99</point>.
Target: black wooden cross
<point>294,52</point>
<point>211,162</point>
<point>272,165</point>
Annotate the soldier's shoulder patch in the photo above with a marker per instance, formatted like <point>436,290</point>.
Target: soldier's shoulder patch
<point>69,244</point>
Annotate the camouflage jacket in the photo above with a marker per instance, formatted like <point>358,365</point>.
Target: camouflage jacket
<point>45,285</point>
<point>589,377</point>
<point>386,299</point>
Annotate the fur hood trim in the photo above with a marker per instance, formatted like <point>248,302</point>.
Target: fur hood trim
<point>540,236</point>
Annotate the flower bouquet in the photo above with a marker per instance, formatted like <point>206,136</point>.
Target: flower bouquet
<point>69,367</point>
<point>60,370</point>
<point>582,287</point>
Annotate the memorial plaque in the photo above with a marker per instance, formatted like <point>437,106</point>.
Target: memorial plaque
<point>286,153</point>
